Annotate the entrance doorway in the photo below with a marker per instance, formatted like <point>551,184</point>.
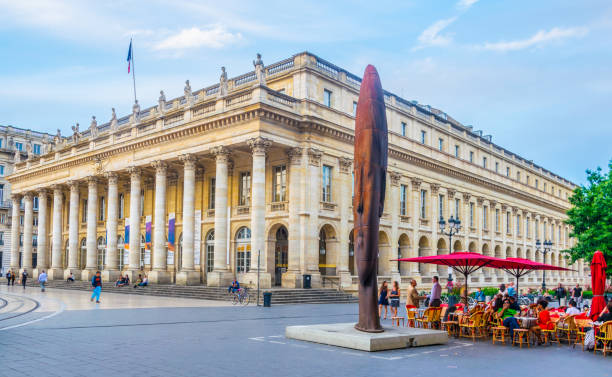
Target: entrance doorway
<point>280,254</point>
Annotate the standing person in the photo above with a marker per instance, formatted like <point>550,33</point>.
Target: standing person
<point>96,283</point>
<point>383,299</point>
<point>436,293</point>
<point>24,278</point>
<point>8,277</point>
<point>502,289</point>
<point>577,294</point>
<point>480,297</point>
<point>560,292</point>
<point>394,297</point>
<point>511,289</point>
<point>412,300</point>
<point>42,279</point>
<point>13,277</point>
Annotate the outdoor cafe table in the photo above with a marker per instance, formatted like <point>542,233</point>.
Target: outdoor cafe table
<point>527,322</point>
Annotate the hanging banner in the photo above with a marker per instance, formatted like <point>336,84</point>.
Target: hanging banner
<point>197,237</point>
<point>148,232</point>
<point>171,238</point>
<point>126,237</point>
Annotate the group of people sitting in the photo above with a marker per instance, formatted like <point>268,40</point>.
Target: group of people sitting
<point>125,280</point>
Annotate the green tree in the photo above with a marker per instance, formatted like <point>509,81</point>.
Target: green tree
<point>590,217</point>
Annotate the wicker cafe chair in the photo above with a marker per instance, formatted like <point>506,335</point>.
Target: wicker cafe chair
<point>604,335</point>
<point>566,329</point>
<point>499,331</point>
<point>429,318</point>
<point>472,328</point>
<point>411,316</point>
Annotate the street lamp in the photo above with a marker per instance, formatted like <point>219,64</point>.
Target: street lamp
<point>544,250</point>
<point>454,226</point>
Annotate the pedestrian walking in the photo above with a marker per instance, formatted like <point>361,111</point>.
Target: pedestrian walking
<point>13,277</point>
<point>96,283</point>
<point>577,295</point>
<point>560,292</point>
<point>42,279</point>
<point>8,277</point>
<point>24,278</point>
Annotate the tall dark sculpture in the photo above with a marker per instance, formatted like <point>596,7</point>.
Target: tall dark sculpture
<point>371,143</point>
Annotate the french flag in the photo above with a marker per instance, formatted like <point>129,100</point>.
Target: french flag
<point>129,57</point>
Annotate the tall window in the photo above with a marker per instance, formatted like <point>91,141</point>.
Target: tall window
<point>471,156</point>
<point>243,250</point>
<point>327,97</point>
<point>211,193</point>
<point>537,228</point>
<point>441,144</point>
<point>508,222</point>
<point>326,184</point>
<point>354,108</point>
<point>485,220</point>
<point>440,206</point>
<point>404,126</point>
<point>456,150</point>
<point>84,212</point>
<point>518,175</point>
<point>559,234</point>
<point>36,148</point>
<point>518,225</point>
<point>101,209</point>
<point>35,202</point>
<point>19,146</point>
<point>279,184</point>
<point>496,220</point>
<point>1,192</point>
<point>1,170</point>
<point>423,203</point>
<point>471,215</point>
<point>121,206</point>
<point>210,250</point>
<point>507,171</point>
<point>403,197</point>
<point>544,186</point>
<point>142,198</point>
<point>456,208</point>
<point>537,183</point>
<point>244,192</point>
<point>527,179</point>
<point>496,167</point>
<point>423,135</point>
<point>527,226</point>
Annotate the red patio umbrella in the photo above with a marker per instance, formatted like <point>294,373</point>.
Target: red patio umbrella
<point>598,283</point>
<point>519,267</point>
<point>464,263</point>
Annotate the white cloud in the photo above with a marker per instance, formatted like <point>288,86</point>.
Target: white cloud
<point>465,4</point>
<point>217,37</point>
<point>538,39</point>
<point>432,37</point>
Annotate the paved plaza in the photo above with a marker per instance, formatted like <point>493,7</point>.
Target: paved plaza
<point>61,333</point>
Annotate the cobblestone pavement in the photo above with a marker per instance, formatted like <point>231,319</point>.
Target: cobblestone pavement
<point>240,341</point>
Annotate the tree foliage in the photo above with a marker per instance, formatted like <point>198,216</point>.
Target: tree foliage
<point>590,217</point>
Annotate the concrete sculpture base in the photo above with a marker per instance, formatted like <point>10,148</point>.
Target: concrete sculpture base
<point>345,335</point>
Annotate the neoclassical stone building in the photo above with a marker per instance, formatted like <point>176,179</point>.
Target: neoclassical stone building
<point>253,177</point>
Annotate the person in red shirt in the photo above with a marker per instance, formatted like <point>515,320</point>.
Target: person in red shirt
<point>544,320</point>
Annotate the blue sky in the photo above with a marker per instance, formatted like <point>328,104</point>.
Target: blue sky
<point>537,75</point>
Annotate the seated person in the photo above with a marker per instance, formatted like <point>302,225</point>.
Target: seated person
<point>127,279</point>
<point>70,278</point>
<point>506,314</point>
<point>120,282</point>
<point>235,287</point>
<point>572,310</point>
<point>138,281</point>
<point>606,313</point>
<point>544,320</point>
<point>480,296</point>
<point>513,304</point>
<point>143,283</point>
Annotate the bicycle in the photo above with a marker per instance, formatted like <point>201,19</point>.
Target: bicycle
<point>242,296</point>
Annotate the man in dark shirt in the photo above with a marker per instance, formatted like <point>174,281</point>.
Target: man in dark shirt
<point>514,305</point>
<point>577,294</point>
<point>560,292</point>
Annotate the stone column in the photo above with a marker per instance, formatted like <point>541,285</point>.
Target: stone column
<point>483,273</point>
<point>312,250</point>
<point>15,231</point>
<point>465,223</point>
<point>220,275</point>
<point>57,269</point>
<point>188,275</point>
<point>42,261</point>
<point>159,274</point>
<point>434,200</point>
<point>416,223</point>
<point>134,257</point>
<point>259,147</point>
<point>344,205</point>
<point>92,223</point>
<point>111,270</point>
<point>293,277</point>
<point>28,218</point>
<point>73,232</point>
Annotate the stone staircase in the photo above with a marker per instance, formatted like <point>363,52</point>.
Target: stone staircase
<point>280,296</point>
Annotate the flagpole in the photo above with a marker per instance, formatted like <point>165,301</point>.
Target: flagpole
<point>133,70</point>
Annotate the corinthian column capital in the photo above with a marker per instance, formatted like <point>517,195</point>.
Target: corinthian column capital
<point>259,145</point>
<point>188,160</point>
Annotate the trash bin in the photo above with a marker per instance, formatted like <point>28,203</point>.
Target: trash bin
<point>306,284</point>
<point>267,296</point>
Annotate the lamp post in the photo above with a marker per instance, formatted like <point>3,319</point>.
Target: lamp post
<point>454,226</point>
<point>544,250</point>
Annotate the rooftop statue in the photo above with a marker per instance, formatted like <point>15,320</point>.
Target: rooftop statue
<point>223,83</point>
<point>161,102</point>
<point>93,127</point>
<point>370,157</point>
<point>113,122</point>
<point>259,70</point>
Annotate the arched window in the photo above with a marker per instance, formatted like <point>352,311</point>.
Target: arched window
<point>101,253</point>
<point>210,250</point>
<point>123,254</point>
<point>243,250</point>
<point>121,205</point>
<point>143,250</point>
<point>83,254</point>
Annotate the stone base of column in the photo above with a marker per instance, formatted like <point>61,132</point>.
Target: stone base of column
<point>188,278</point>
<point>292,279</point>
<point>250,280</point>
<point>219,278</point>
<point>55,274</point>
<point>346,280</point>
<point>86,275</point>
<point>315,281</point>
<point>76,274</point>
<point>160,277</point>
<point>110,275</point>
<point>38,271</point>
